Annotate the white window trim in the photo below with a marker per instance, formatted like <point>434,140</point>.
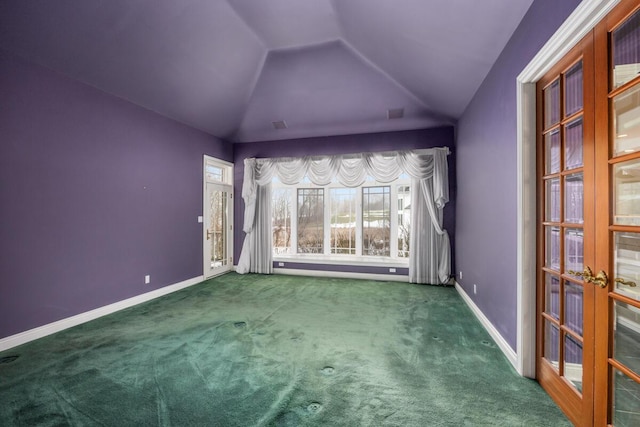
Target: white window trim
<point>342,259</point>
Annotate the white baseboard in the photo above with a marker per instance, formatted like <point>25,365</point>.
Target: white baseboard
<point>509,353</point>
<point>51,328</point>
<point>341,274</point>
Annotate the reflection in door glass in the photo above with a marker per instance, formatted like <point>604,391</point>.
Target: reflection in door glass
<point>625,42</point>
<point>552,151</point>
<point>626,187</point>
<point>551,343</point>
<point>553,200</point>
<point>573,249</point>
<point>626,336</point>
<point>626,262</point>
<point>573,361</point>
<point>626,121</point>
<point>552,250</point>
<point>573,144</point>
<point>552,296</point>
<point>552,104</point>
<point>573,195</point>
<point>626,405</point>
<point>573,89</point>
<point>573,306</point>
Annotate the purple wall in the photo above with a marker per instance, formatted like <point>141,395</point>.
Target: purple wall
<point>374,142</point>
<point>95,193</point>
<point>487,195</point>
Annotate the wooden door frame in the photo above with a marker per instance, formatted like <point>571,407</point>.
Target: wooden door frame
<point>583,19</point>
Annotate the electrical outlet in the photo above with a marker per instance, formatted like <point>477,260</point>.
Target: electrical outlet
<point>147,279</point>
<point>475,290</point>
<point>281,264</point>
<point>460,274</point>
<point>392,270</point>
<point>200,219</point>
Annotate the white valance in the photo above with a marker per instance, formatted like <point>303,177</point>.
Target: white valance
<point>427,168</point>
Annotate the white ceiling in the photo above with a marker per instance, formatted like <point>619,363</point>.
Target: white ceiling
<point>232,67</point>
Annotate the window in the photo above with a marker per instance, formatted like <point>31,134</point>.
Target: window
<point>404,220</point>
<point>310,220</point>
<point>281,211</point>
<point>338,224</point>
<point>343,220</point>
<point>376,220</point>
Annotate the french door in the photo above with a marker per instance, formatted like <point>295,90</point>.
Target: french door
<point>218,216</point>
<point>588,335</point>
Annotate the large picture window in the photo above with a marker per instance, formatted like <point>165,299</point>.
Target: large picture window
<point>335,222</point>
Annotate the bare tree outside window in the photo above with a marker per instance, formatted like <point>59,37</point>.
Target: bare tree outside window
<point>281,220</point>
<point>311,220</point>
<point>376,221</point>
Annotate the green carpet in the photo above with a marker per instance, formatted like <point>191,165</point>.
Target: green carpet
<point>275,350</point>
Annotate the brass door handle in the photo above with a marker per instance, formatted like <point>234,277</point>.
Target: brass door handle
<point>600,279</point>
<point>209,234</point>
<point>587,274</point>
<point>625,282</point>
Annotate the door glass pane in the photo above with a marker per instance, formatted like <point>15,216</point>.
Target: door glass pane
<point>626,121</point>
<point>552,296</point>
<point>551,343</point>
<point>218,223</point>
<point>552,151</point>
<point>626,335</point>
<point>625,43</point>
<point>573,361</point>
<point>573,249</point>
<point>552,248</point>
<point>553,200</point>
<point>573,90</point>
<point>626,404</point>
<point>626,262</point>
<point>573,144</point>
<point>552,104</point>
<point>626,188</point>
<point>573,205</point>
<point>573,306</point>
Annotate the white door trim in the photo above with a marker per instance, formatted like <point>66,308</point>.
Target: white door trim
<point>583,19</point>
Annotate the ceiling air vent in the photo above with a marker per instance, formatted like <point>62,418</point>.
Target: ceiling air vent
<point>395,113</point>
<point>280,124</point>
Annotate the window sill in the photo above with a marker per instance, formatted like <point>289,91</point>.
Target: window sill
<point>343,260</point>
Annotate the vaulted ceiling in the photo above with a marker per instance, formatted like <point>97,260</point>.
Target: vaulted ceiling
<point>234,67</point>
